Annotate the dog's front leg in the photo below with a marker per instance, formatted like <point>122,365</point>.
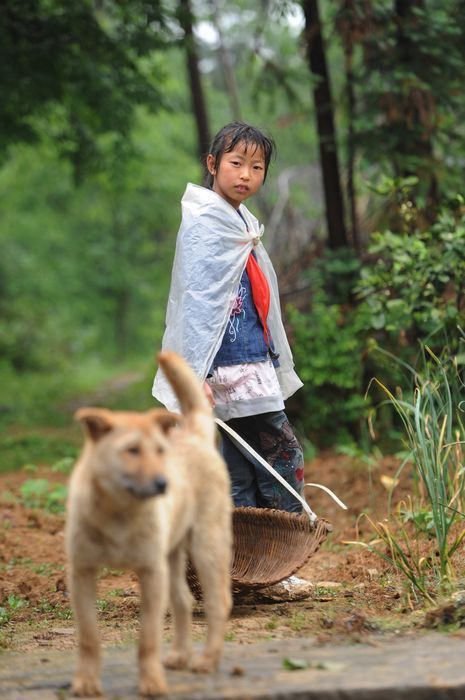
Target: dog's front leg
<point>154,593</point>
<point>86,681</point>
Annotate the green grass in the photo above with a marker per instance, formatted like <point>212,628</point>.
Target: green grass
<point>41,493</point>
<point>272,623</point>
<point>434,436</point>
<point>19,451</point>
<point>36,408</point>
<point>298,621</point>
<point>10,606</point>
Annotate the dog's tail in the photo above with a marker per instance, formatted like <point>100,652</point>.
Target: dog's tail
<point>185,383</point>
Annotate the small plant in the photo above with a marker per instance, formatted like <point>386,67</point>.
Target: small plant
<point>63,613</point>
<point>103,605</point>
<point>64,466</point>
<point>52,610</point>
<point>40,493</point>
<point>46,568</point>
<point>422,518</point>
<point>298,621</point>
<point>109,571</point>
<point>272,623</point>
<point>15,602</point>
<point>5,616</point>
<point>434,436</point>
<point>116,592</point>
<point>12,604</point>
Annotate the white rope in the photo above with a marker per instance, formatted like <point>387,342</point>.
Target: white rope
<point>313,517</point>
<point>330,493</point>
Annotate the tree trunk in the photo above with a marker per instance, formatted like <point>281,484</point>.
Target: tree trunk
<point>337,237</point>
<point>347,31</point>
<point>419,107</point>
<point>199,109</point>
<point>224,58</point>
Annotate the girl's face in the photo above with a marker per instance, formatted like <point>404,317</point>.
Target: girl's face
<point>239,175</point>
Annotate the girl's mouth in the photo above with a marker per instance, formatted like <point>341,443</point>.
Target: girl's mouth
<point>242,188</point>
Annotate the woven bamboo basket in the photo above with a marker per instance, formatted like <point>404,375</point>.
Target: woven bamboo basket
<point>269,546</point>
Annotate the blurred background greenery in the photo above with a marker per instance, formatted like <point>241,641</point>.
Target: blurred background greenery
<point>106,110</point>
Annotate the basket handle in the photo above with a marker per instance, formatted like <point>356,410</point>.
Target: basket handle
<point>237,438</point>
<point>330,493</point>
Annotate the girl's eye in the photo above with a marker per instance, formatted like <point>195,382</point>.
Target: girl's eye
<point>258,167</point>
<point>134,450</point>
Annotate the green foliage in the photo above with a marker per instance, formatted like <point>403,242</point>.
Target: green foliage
<point>29,448</point>
<point>413,286</point>
<point>12,604</point>
<point>434,434</point>
<point>408,65</point>
<point>327,353</point>
<point>328,348</point>
<point>422,518</point>
<point>86,270</point>
<point>40,493</point>
<point>70,70</point>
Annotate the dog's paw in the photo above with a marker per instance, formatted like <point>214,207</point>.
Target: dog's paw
<point>204,663</point>
<point>152,685</point>
<point>176,659</point>
<point>86,686</point>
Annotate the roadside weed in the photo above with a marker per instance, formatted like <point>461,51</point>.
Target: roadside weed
<point>427,528</point>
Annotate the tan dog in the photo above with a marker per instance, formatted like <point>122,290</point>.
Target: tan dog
<point>149,490</point>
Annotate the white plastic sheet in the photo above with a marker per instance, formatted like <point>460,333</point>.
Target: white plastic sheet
<point>212,248</point>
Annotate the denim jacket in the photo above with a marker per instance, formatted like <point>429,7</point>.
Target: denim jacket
<point>243,340</point>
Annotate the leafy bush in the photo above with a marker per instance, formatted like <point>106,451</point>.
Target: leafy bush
<point>328,350</point>
<point>413,286</point>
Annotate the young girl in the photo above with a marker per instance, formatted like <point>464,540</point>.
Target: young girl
<point>224,318</point>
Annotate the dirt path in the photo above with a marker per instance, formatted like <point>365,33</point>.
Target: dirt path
<point>365,671</point>
<point>353,593</point>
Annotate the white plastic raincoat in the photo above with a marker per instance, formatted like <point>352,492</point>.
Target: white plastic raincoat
<point>212,248</point>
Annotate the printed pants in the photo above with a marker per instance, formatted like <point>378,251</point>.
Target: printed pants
<point>271,435</point>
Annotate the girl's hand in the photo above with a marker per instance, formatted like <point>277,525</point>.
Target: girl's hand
<point>208,393</point>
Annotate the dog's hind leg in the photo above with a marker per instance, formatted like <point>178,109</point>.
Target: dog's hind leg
<point>86,682</point>
<point>181,603</point>
<point>212,561</point>
<point>154,589</point>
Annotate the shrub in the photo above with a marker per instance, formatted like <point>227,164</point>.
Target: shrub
<point>413,286</point>
<point>328,351</point>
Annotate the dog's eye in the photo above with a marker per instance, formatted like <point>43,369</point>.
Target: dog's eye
<point>134,450</point>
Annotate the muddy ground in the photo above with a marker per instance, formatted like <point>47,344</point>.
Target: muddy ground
<point>354,592</point>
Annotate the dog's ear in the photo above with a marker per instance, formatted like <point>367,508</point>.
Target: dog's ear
<point>96,421</point>
<point>165,419</point>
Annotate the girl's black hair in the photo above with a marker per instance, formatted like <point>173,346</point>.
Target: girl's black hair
<point>230,135</point>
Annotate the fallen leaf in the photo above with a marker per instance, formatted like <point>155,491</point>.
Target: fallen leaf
<point>295,664</point>
<point>388,482</point>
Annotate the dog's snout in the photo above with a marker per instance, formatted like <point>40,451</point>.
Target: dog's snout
<point>159,485</point>
<point>146,488</point>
